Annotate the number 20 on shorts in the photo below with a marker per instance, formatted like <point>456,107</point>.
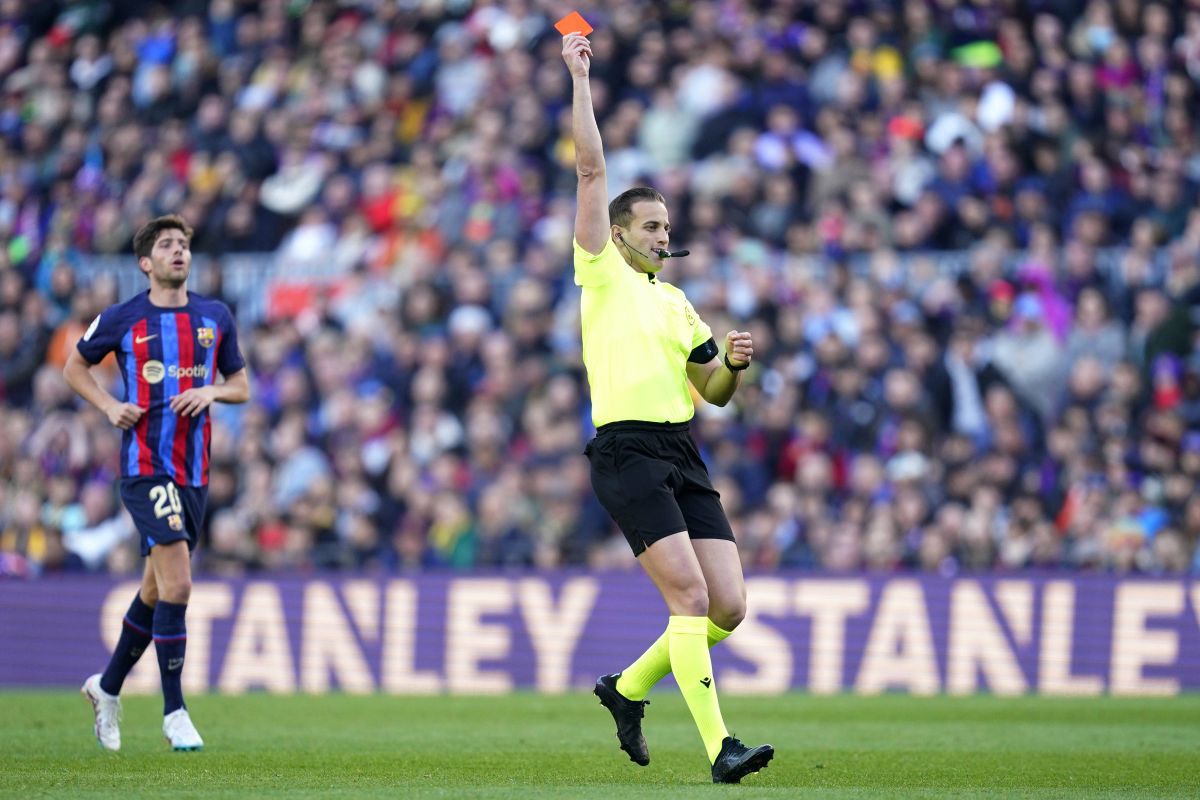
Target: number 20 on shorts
<point>166,500</point>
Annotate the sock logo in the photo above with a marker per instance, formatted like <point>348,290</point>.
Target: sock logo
<point>706,681</point>
<point>135,652</point>
<point>174,664</point>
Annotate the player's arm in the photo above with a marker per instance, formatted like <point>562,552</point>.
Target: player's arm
<point>591,213</point>
<point>78,374</point>
<point>715,382</point>
<point>234,389</point>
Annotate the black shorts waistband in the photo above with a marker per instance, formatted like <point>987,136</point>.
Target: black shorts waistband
<point>643,427</point>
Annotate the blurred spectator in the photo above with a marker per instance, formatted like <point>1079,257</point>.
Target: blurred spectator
<point>97,528</point>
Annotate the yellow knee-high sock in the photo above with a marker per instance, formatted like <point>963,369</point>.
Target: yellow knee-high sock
<point>639,678</point>
<point>716,633</point>
<point>688,642</point>
<point>652,666</point>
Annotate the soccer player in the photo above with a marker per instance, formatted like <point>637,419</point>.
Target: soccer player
<point>642,344</point>
<point>169,345</point>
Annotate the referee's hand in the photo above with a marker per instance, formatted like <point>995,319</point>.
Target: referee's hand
<point>577,52</point>
<point>739,347</point>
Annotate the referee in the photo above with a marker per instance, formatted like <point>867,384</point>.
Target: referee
<point>642,344</point>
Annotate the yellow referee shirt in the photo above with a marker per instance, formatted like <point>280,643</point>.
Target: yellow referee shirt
<point>637,336</point>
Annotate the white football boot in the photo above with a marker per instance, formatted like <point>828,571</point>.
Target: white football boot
<point>107,708</point>
<point>180,732</point>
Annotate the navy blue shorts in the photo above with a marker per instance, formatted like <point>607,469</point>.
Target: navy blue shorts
<point>163,511</point>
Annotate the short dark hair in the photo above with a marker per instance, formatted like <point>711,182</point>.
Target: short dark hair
<point>147,235</point>
<point>620,210</point>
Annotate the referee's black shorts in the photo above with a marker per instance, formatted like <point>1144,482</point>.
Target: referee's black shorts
<point>650,478</point>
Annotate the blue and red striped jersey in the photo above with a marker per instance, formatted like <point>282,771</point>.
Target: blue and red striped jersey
<point>163,352</point>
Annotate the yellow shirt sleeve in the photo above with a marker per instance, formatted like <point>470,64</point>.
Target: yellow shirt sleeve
<point>701,333</point>
<point>593,270</point>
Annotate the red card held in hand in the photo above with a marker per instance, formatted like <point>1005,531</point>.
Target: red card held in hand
<point>573,23</point>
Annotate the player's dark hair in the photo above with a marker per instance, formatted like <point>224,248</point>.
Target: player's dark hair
<point>147,235</point>
<point>620,210</point>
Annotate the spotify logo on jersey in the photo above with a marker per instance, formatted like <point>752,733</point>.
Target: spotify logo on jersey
<point>194,371</point>
<point>153,372</point>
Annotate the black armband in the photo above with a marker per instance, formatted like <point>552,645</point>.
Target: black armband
<point>704,353</point>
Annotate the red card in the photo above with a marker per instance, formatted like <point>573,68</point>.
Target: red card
<point>573,23</point>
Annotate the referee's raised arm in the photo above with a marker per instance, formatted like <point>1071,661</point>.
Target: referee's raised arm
<point>591,213</point>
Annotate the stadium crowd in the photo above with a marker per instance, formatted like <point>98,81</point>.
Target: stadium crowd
<point>963,232</point>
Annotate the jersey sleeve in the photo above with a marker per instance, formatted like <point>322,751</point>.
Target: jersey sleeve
<point>701,333</point>
<point>229,355</point>
<point>594,270</point>
<point>102,337</point>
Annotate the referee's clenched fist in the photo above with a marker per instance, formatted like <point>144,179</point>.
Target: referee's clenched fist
<point>739,348</point>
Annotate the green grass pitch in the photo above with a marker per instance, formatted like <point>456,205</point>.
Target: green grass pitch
<point>530,746</point>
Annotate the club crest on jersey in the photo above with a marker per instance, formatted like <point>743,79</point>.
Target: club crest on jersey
<point>153,372</point>
<point>206,336</point>
<point>175,522</point>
